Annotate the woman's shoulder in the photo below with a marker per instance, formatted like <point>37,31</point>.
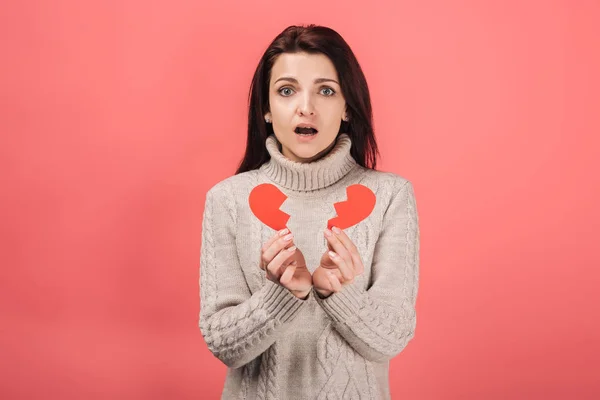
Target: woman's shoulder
<point>232,185</point>
<point>385,179</point>
<point>223,195</point>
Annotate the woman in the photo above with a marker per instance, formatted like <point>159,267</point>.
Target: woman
<point>308,312</point>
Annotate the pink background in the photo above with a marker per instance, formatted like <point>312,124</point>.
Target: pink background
<point>118,116</point>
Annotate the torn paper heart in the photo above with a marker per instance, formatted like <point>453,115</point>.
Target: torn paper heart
<point>360,203</point>
<point>266,199</point>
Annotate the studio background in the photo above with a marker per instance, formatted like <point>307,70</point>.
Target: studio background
<point>118,116</point>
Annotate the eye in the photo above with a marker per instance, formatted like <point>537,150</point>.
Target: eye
<point>285,91</point>
<point>329,91</point>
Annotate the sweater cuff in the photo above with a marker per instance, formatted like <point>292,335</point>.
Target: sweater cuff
<point>280,302</point>
<point>345,304</point>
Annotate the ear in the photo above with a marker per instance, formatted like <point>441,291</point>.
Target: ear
<point>268,117</point>
<point>345,115</point>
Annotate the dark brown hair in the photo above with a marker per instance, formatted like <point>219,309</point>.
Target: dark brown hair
<point>312,39</point>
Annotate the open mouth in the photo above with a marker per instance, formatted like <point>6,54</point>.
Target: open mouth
<point>305,131</point>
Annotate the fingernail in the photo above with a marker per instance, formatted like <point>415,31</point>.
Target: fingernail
<point>332,254</point>
<point>292,249</point>
<point>336,229</point>
<point>327,232</point>
<point>288,237</point>
<point>283,232</point>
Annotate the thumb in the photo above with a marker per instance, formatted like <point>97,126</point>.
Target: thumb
<point>288,274</point>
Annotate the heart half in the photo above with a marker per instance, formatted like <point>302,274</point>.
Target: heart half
<point>359,205</point>
<point>265,200</point>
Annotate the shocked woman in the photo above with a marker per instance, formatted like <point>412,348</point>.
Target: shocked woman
<point>309,263</point>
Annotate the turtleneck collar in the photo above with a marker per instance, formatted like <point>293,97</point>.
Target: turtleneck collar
<point>314,175</point>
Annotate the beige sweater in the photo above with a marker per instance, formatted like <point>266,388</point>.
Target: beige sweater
<point>278,346</point>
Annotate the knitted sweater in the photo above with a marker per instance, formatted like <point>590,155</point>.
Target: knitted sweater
<point>281,347</point>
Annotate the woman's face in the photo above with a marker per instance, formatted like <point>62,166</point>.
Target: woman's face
<point>304,90</point>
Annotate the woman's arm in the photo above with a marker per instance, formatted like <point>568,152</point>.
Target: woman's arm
<point>379,322</point>
<point>237,325</point>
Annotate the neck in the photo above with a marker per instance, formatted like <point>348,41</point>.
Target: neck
<point>332,165</point>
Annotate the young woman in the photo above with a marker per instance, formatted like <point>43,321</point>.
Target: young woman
<point>308,312</point>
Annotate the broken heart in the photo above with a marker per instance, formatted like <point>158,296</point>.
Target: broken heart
<point>266,199</point>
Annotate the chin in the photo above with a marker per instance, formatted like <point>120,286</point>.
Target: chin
<point>305,153</point>
<point>310,150</point>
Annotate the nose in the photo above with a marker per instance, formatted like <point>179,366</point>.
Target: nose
<point>305,107</point>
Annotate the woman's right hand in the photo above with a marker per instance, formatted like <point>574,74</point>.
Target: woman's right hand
<point>285,264</point>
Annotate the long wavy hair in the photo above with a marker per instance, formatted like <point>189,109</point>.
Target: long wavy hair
<point>312,39</point>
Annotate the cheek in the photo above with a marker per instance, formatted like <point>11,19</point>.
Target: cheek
<point>333,120</point>
<point>331,110</point>
<point>282,110</point>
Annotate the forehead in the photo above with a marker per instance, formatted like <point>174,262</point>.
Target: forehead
<point>303,66</point>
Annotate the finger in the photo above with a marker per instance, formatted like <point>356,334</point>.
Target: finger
<point>336,286</point>
<point>352,249</point>
<point>275,247</point>
<point>263,261</point>
<point>275,244</point>
<point>288,274</point>
<point>339,248</point>
<point>274,237</point>
<point>346,271</point>
<point>274,267</point>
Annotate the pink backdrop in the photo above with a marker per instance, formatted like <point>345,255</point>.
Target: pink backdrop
<point>117,116</point>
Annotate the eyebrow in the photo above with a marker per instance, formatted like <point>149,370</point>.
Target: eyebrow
<point>294,80</point>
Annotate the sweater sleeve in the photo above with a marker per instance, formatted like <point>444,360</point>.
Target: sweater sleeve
<point>236,324</point>
<point>379,322</point>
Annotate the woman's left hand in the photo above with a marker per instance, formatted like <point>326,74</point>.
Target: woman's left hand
<point>339,265</point>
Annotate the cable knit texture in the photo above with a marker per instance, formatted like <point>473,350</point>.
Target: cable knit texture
<point>277,346</point>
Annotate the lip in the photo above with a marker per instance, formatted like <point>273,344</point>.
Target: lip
<point>306,125</point>
<point>305,139</point>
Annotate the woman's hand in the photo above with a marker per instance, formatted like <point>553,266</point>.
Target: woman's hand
<point>339,265</point>
<point>285,264</point>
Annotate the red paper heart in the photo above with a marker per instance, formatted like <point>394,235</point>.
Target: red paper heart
<point>358,206</point>
<point>266,199</point>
